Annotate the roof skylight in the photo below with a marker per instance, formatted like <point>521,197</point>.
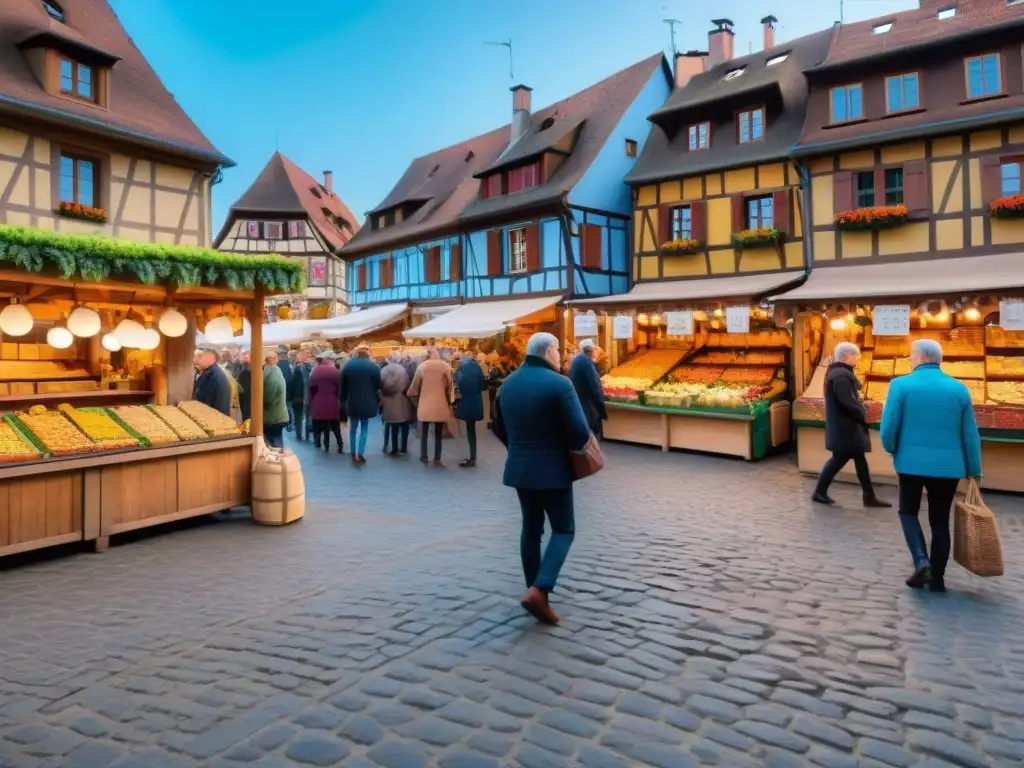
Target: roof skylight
<point>947,13</point>
<point>53,10</point>
<point>777,59</point>
<point>881,29</point>
<point>733,74</point>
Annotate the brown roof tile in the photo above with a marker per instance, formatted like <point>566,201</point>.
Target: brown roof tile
<point>142,109</point>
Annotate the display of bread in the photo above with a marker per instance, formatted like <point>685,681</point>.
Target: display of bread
<point>99,427</point>
<point>998,338</point>
<point>146,423</point>
<point>182,425</point>
<point>863,364</point>
<point>882,367</point>
<point>1005,392</point>
<point>697,374</point>
<point>902,366</point>
<point>977,390</point>
<point>55,432</point>
<point>14,447</point>
<point>964,342</point>
<point>892,346</point>
<point>1004,367</point>
<point>215,423</point>
<point>877,390</point>
<point>964,369</point>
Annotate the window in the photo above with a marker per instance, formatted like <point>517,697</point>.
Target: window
<point>296,229</point>
<point>76,79</point>
<point>78,180</point>
<point>315,191</point>
<point>902,92</point>
<point>517,250</point>
<point>523,178</point>
<point>630,148</point>
<point>847,103</point>
<point>53,10</point>
<point>272,230</point>
<point>777,59</point>
<point>864,189</point>
<point>983,76</point>
<point>946,13</point>
<point>1010,173</point>
<point>881,29</point>
<point>700,135</point>
<point>681,226</point>
<point>759,212</point>
<point>750,125</point>
<point>492,185</point>
<point>894,186</point>
<point>733,74</point>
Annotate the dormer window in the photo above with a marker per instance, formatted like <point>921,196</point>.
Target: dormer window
<point>750,126</point>
<point>492,185</point>
<point>699,136</point>
<point>947,13</point>
<point>777,59</point>
<point>53,10</point>
<point>881,29</point>
<point>77,79</point>
<point>733,74</point>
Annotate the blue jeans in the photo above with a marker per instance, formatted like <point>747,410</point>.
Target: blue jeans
<point>941,495</point>
<point>360,427</point>
<point>291,417</point>
<point>542,573</point>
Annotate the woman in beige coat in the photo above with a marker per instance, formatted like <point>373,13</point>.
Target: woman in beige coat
<point>432,385</point>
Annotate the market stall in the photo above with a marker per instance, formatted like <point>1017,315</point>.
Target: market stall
<point>694,364</point>
<point>969,305</point>
<point>98,433</point>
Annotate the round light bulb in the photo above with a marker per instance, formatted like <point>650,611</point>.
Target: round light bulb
<point>838,323</point>
<point>972,313</point>
<point>16,320</point>
<point>172,323</point>
<point>59,337</point>
<point>84,322</point>
<point>110,342</point>
<point>219,331</point>
<point>129,332</point>
<point>149,339</point>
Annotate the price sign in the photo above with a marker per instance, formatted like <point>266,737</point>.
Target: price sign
<point>584,324</point>
<point>737,319</point>
<point>622,327</point>
<point>679,323</point>
<point>891,320</point>
<point>1011,315</point>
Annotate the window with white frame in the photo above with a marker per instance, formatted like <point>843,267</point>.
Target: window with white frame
<point>681,226</point>
<point>272,230</point>
<point>699,136</point>
<point>517,250</point>
<point>750,125</point>
<point>1010,178</point>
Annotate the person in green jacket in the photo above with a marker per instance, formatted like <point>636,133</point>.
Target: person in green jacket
<point>275,402</point>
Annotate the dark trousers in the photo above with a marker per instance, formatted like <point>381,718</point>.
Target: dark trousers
<point>941,493</point>
<point>471,438</point>
<point>542,573</point>
<point>299,420</point>
<point>397,436</point>
<point>274,435</point>
<point>836,463</point>
<point>438,433</point>
<point>322,428</point>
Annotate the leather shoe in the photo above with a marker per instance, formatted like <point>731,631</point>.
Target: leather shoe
<point>535,602</point>
<point>921,577</point>
<point>822,498</point>
<point>876,503</point>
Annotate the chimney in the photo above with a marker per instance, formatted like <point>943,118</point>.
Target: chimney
<point>520,112</point>
<point>688,65</point>
<point>329,182</point>
<point>721,41</point>
<point>768,24</point>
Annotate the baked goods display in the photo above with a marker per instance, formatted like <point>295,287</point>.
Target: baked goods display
<point>882,367</point>
<point>977,390</point>
<point>215,423</point>
<point>1004,367</point>
<point>892,346</point>
<point>758,377</point>
<point>902,366</point>
<point>1005,392</point>
<point>146,423</point>
<point>963,342</point>
<point>99,427</point>
<point>14,446</point>
<point>963,369</point>
<point>877,390</point>
<point>57,435</point>
<point>863,364</point>
<point>180,424</point>
<point>627,380</point>
<point>997,338</point>
<point>697,374</point>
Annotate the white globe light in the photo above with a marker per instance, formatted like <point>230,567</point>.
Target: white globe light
<point>110,342</point>
<point>172,323</point>
<point>84,322</point>
<point>16,320</point>
<point>149,339</point>
<point>59,337</point>
<point>219,331</point>
<point>129,332</point>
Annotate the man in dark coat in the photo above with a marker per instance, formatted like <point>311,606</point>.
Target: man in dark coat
<point>846,428</point>
<point>360,399</point>
<point>469,380</point>
<point>212,387</point>
<point>587,382</point>
<point>245,386</point>
<point>285,364</point>
<point>298,391</point>
<point>539,419</point>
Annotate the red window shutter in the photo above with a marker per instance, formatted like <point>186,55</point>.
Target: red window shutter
<point>532,247</point>
<point>592,245</point>
<point>699,220</point>
<point>991,178</point>
<point>515,180</point>
<point>664,225</point>
<point>494,252</point>
<point>842,191</point>
<point>455,262</point>
<point>382,270</point>
<point>432,265</point>
<point>361,277</point>
<point>780,210</point>
<point>915,189</point>
<point>739,213</point>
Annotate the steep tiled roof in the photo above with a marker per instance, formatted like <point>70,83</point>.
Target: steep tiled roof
<point>445,179</point>
<point>141,108</point>
<point>284,189</point>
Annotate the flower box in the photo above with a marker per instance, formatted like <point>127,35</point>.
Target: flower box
<point>83,212</point>
<point>757,238</point>
<point>882,217</point>
<point>1010,207</point>
<point>685,245</point>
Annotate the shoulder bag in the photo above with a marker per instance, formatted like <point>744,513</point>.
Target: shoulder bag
<point>588,461</point>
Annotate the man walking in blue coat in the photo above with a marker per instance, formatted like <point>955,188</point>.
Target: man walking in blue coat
<point>469,381</point>
<point>928,426</point>
<point>585,378</point>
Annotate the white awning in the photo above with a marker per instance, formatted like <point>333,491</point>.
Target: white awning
<point>480,319</point>
<point>702,289</point>
<point>351,325</point>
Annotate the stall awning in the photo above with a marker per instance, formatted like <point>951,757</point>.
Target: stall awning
<point>352,325</point>
<point>937,277</point>
<point>741,286</point>
<point>480,319</point>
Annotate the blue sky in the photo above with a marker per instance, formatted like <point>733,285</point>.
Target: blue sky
<point>361,87</point>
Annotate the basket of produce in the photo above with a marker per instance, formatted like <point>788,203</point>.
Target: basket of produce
<point>180,424</point>
<point>57,435</point>
<point>215,423</point>
<point>144,422</point>
<point>14,446</point>
<point>99,427</point>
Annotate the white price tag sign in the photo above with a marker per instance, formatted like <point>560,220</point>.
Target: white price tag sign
<point>584,324</point>
<point>737,319</point>
<point>622,327</point>
<point>891,320</point>
<point>1011,315</point>
<point>679,323</point>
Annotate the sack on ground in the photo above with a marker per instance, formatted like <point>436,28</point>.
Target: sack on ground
<point>587,462</point>
<point>976,544</point>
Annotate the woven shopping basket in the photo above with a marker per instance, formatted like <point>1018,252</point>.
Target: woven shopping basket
<point>976,544</point>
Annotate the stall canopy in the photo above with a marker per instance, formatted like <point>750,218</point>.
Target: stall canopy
<point>965,274</point>
<point>352,325</point>
<point>742,286</point>
<point>479,320</point>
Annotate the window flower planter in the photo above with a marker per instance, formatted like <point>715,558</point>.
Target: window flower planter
<point>83,212</point>
<point>1010,207</point>
<point>682,246</point>
<point>757,238</point>
<point>861,219</point>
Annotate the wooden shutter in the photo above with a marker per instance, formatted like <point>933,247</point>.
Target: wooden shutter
<point>385,272</point>
<point>532,232</point>
<point>494,252</point>
<point>591,246</point>
<point>879,188</point>
<point>699,220</point>
<point>361,277</point>
<point>664,225</point>
<point>915,189</point>
<point>455,262</point>
<point>842,191</point>
<point>432,264</point>
<point>780,210</point>
<point>739,213</point>
<point>991,178</point>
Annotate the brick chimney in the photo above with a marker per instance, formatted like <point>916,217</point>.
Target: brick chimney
<point>688,65</point>
<point>329,182</point>
<point>520,112</point>
<point>768,24</point>
<point>721,42</point>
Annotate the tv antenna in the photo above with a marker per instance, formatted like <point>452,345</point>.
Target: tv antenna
<point>672,32</point>
<point>505,44</point>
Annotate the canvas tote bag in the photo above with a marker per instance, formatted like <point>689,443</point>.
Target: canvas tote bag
<point>976,544</point>
<point>587,462</point>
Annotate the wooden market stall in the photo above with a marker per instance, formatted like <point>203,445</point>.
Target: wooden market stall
<point>97,338</point>
<point>694,364</point>
<point>967,304</point>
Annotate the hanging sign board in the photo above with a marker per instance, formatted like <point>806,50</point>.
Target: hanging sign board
<point>737,319</point>
<point>584,324</point>
<point>679,323</point>
<point>891,320</point>
<point>622,327</point>
<point>1011,315</point>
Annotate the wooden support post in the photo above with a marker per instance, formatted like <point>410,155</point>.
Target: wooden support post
<point>256,324</point>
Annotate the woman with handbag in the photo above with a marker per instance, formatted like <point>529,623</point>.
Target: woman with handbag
<point>538,417</point>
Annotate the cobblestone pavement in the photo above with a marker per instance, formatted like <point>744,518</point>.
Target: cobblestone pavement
<point>712,616</point>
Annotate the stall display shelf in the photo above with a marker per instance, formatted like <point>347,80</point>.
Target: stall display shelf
<point>144,422</point>
<point>99,427</point>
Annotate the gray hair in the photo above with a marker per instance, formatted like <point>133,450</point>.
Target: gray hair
<point>539,344</point>
<point>586,344</point>
<point>929,349</point>
<point>844,351</point>
<point>395,357</point>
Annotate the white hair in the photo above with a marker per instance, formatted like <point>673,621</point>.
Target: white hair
<point>395,357</point>
<point>929,349</point>
<point>539,344</point>
<point>844,351</point>
<point>586,344</point>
